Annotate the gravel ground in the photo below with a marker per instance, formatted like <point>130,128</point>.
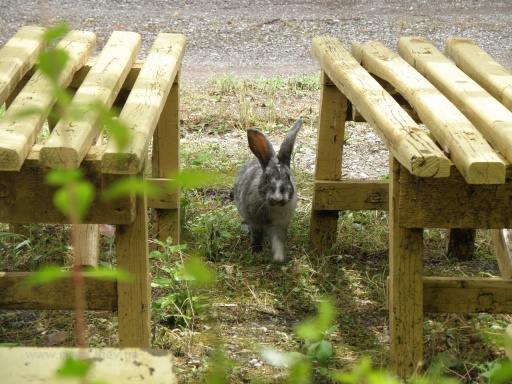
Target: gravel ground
<point>268,37</point>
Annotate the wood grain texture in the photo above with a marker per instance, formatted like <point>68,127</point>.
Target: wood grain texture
<point>467,295</point>
<point>18,129</point>
<point>482,68</point>
<point>98,294</point>
<point>488,115</point>
<point>452,203</point>
<point>145,103</point>
<point>351,195</point>
<point>18,205</point>
<point>473,156</point>
<point>18,56</point>
<point>403,137</point>
<point>71,138</point>
<point>502,241</point>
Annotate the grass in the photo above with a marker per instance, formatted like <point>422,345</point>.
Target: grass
<point>254,303</point>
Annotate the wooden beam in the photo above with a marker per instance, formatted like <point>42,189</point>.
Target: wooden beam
<point>26,197</point>
<point>145,103</point>
<point>460,243</point>
<point>502,240</point>
<point>405,286</point>
<point>404,138</point>
<point>18,130</point>
<point>351,195</point>
<point>482,68</point>
<point>18,56</point>
<point>467,295</point>
<point>71,138</point>
<point>329,152</point>
<point>38,365</point>
<point>166,199</point>
<point>473,156</point>
<point>430,203</point>
<point>99,294</point>
<point>490,117</point>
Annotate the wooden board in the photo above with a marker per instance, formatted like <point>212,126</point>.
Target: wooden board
<point>403,137</point>
<point>25,197</point>
<point>145,103</point>
<point>18,130</point>
<point>473,156</point>
<point>351,195</point>
<point>71,138</point>
<point>98,294</point>
<point>490,117</point>
<point>452,203</point>
<point>467,295</point>
<point>502,241</point>
<point>18,56</point>
<point>22,365</point>
<point>482,68</point>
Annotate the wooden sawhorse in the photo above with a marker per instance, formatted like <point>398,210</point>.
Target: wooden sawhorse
<point>452,178</point>
<point>149,98</point>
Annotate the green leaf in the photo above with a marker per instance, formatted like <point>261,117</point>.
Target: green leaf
<point>45,275</point>
<point>72,367</point>
<point>110,274</point>
<point>52,63</point>
<point>59,177</point>
<point>128,185</point>
<point>7,345</point>
<point>192,179</point>
<point>55,32</point>
<point>314,329</point>
<point>117,131</point>
<point>157,255</point>
<point>200,160</point>
<point>196,270</point>
<point>77,196</point>
<point>323,352</point>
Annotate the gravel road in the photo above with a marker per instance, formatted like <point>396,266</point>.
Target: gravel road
<point>251,37</point>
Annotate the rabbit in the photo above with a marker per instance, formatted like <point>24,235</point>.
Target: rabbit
<point>265,192</point>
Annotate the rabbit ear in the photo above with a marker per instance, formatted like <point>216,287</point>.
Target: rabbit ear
<point>260,146</point>
<point>285,152</point>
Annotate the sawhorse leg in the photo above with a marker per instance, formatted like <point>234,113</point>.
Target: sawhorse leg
<point>405,301</point>
<point>134,296</point>
<point>331,133</point>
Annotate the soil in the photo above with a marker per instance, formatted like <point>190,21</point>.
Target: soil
<point>268,37</point>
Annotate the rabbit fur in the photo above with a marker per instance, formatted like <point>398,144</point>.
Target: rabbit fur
<point>265,192</point>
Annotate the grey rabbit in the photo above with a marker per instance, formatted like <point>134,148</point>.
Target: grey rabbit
<point>265,192</point>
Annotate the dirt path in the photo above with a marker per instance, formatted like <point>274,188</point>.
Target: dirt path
<point>268,37</point>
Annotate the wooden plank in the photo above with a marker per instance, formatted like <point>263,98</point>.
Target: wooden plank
<point>467,295</point>
<point>165,162</point>
<point>488,115</point>
<point>98,294</point>
<point>37,365</point>
<point>482,68</point>
<point>18,56</point>
<point>145,103</point>
<point>452,203</point>
<point>17,191</point>
<point>18,130</point>
<point>88,243</point>
<point>460,243</point>
<point>134,305</point>
<point>329,152</point>
<point>72,137</point>
<point>166,199</point>
<point>473,156</point>
<point>351,195</point>
<point>405,301</point>
<point>502,240</point>
<point>404,138</point>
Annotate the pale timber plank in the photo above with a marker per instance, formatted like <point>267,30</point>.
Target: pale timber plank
<point>502,240</point>
<point>351,195</point>
<point>145,104</point>
<point>404,138</point>
<point>405,300</point>
<point>467,295</point>
<point>36,365</point>
<point>71,138</point>
<point>98,294</point>
<point>18,131</point>
<point>473,156</point>
<point>482,68</point>
<point>329,152</point>
<point>488,115</point>
<point>17,56</point>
